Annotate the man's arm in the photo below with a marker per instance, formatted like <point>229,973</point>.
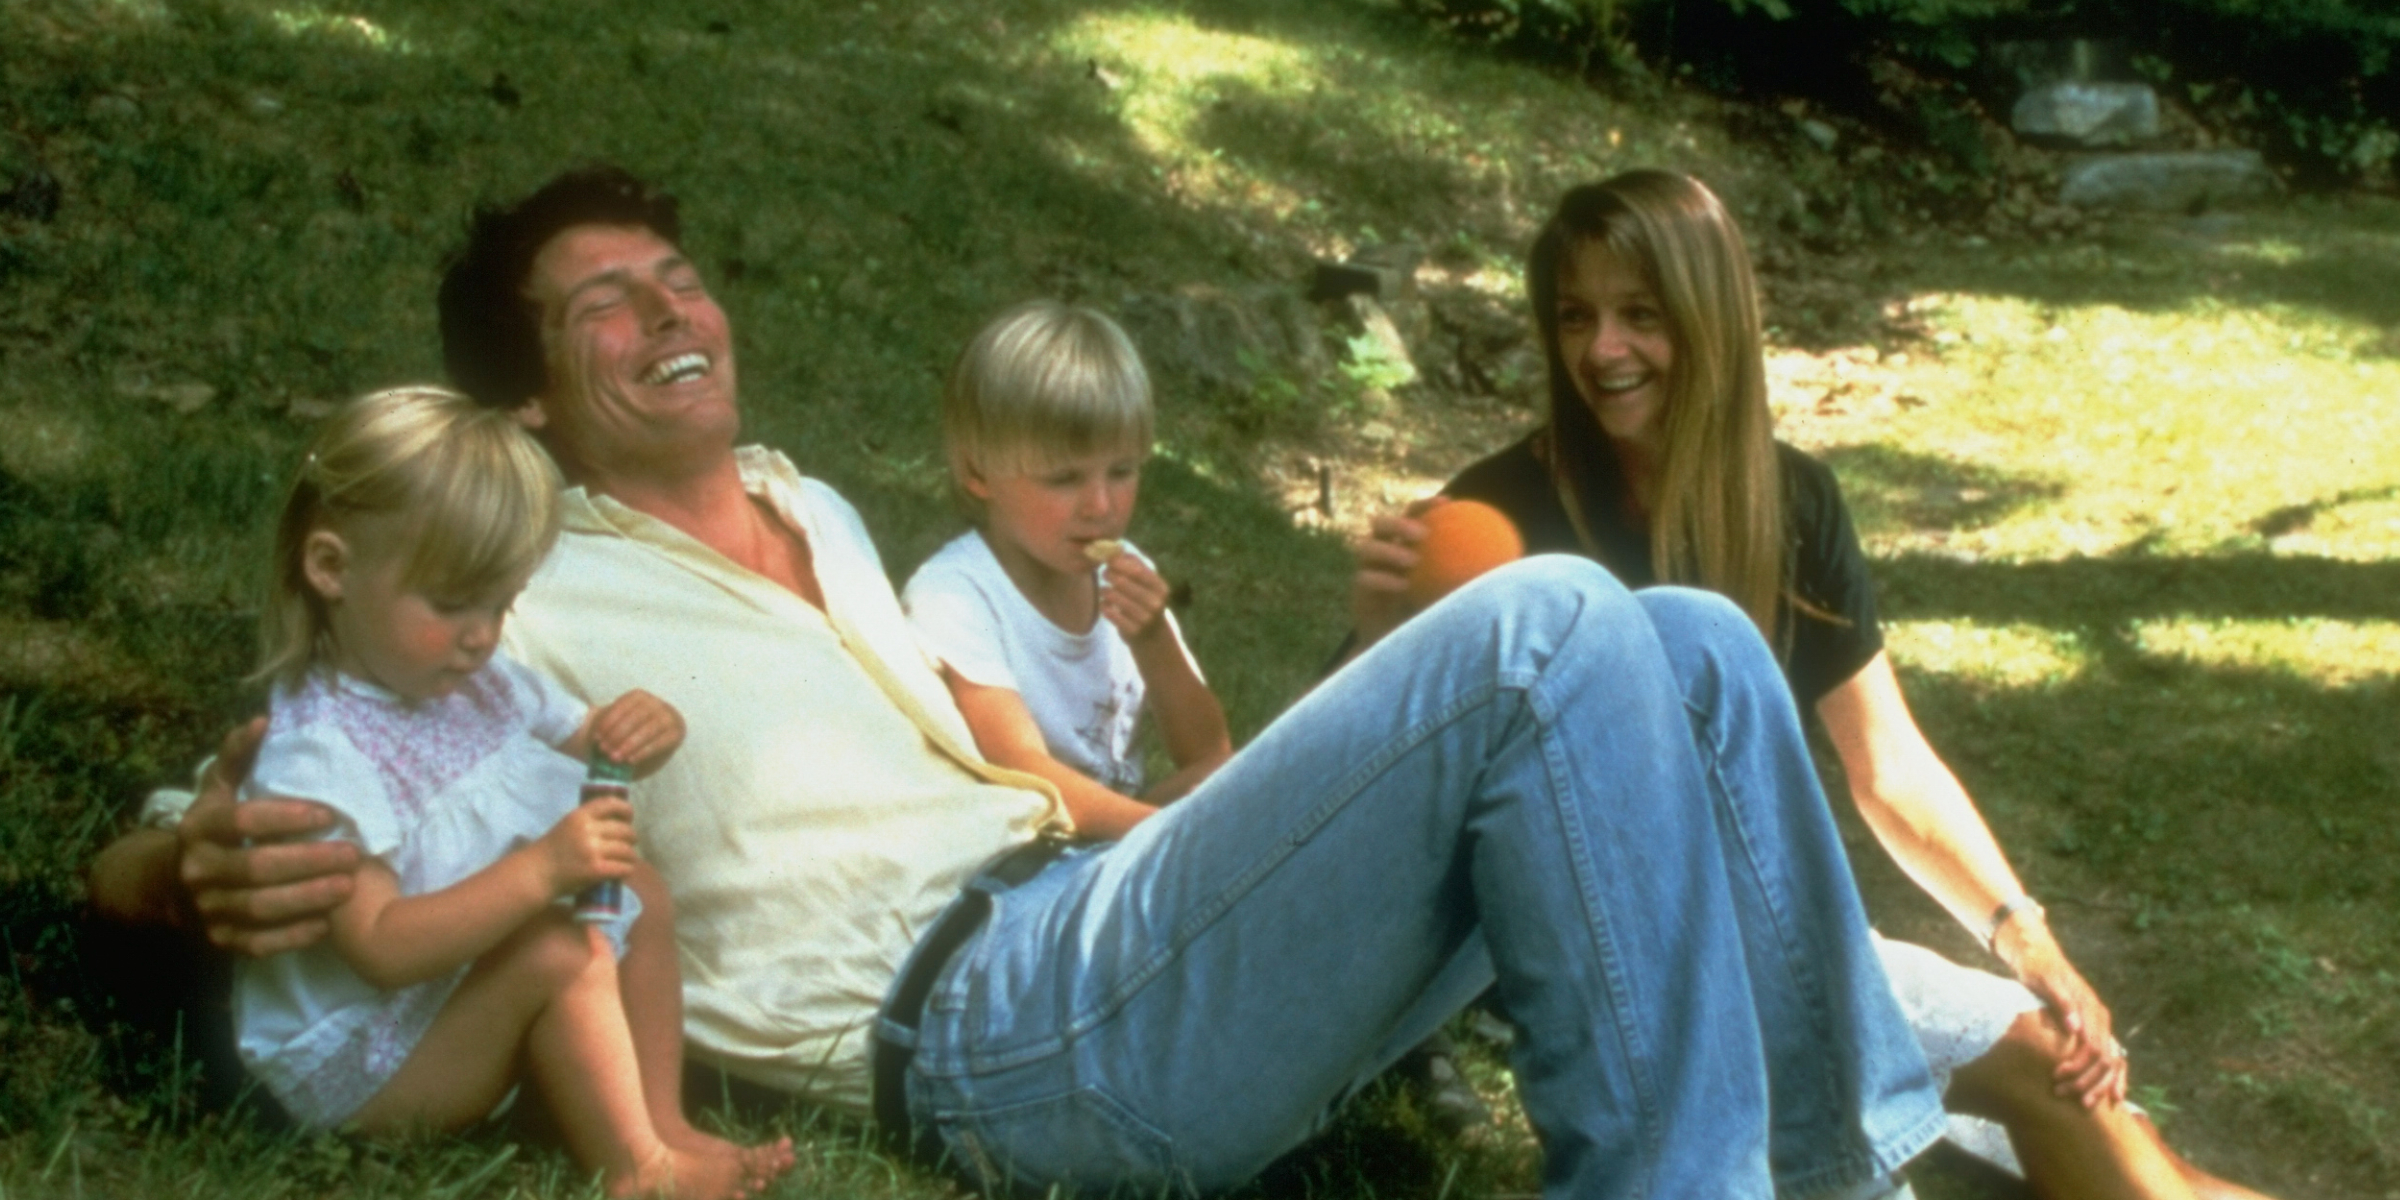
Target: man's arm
<point>232,871</point>
<point>1006,734</point>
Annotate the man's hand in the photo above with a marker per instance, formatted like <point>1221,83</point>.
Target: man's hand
<point>637,729</point>
<point>2094,1070</point>
<point>1379,592</point>
<point>591,844</point>
<point>1135,598</point>
<point>257,884</point>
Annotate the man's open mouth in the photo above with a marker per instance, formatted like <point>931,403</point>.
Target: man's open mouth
<point>679,369</point>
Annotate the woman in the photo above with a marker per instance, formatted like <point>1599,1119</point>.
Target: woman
<point>1659,461</point>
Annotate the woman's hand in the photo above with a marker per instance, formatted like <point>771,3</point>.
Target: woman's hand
<point>1379,591</point>
<point>1134,598</point>
<point>258,880</point>
<point>589,845</point>
<point>637,729</point>
<point>2094,1069</point>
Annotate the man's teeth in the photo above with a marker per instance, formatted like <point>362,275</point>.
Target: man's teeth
<point>677,369</point>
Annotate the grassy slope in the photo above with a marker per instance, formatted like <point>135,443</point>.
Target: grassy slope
<point>2170,685</point>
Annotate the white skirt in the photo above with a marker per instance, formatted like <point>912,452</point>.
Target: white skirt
<point>1958,1014</point>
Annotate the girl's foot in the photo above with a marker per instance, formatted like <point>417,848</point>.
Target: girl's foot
<point>761,1164</point>
<point>674,1174</point>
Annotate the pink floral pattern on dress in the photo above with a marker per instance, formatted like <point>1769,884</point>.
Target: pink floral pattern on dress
<point>417,749</point>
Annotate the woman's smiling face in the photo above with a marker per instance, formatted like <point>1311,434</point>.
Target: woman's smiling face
<point>1614,338</point>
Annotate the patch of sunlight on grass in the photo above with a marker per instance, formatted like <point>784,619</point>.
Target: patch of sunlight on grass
<point>2179,430</point>
<point>312,21</point>
<point>43,444</point>
<point>2266,250</point>
<point>2006,655</point>
<point>1174,72</point>
<point>2334,653</point>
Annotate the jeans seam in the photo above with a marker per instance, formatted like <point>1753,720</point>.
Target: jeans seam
<point>1559,776</point>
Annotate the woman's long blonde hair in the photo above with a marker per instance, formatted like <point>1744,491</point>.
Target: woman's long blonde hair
<point>475,497</point>
<point>1717,509</point>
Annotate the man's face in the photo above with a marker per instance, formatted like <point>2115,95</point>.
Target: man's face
<point>640,360</point>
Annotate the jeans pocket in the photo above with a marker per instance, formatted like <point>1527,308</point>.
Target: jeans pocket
<point>1083,1138</point>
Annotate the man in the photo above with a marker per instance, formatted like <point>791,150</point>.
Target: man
<point>1601,798</point>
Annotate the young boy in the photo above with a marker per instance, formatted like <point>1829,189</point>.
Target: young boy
<point>1050,628</point>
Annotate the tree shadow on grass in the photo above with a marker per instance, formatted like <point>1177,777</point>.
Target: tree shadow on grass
<point>1888,487</point>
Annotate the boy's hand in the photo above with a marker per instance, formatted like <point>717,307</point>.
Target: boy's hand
<point>637,729</point>
<point>1135,600</point>
<point>1379,592</point>
<point>588,845</point>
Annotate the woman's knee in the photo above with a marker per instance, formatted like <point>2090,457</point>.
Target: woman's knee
<point>2017,1074</point>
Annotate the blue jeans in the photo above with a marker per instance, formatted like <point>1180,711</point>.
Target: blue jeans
<point>1601,800</point>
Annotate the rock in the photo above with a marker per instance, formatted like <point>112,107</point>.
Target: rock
<point>1390,350</point>
<point>1825,136</point>
<point>2088,114</point>
<point>2168,181</point>
<point>1384,272</point>
<point>1226,337</point>
<point>263,105</point>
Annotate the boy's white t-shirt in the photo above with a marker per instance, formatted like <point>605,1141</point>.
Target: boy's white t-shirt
<point>1083,689</point>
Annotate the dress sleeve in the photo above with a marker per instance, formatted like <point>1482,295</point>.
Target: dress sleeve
<point>954,621</point>
<point>552,714</point>
<point>1835,630</point>
<point>315,762</point>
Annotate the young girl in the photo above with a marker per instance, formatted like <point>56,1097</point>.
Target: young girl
<point>1659,461</point>
<point>1051,629</point>
<point>415,520</point>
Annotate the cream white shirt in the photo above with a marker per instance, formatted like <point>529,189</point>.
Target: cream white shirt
<point>827,801</point>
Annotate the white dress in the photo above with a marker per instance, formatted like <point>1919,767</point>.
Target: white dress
<point>435,790</point>
<point>1083,689</point>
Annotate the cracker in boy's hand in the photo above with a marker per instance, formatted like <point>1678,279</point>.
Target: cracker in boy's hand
<point>1103,549</point>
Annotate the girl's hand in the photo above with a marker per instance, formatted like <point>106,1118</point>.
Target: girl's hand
<point>637,729</point>
<point>591,844</point>
<point>1135,598</point>
<point>2094,1069</point>
<point>1379,592</point>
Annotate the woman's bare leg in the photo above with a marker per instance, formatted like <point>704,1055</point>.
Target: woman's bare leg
<point>548,993</point>
<point>2069,1152</point>
<point>651,980</point>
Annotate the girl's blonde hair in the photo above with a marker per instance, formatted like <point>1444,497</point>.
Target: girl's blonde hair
<point>1717,515</point>
<point>1042,382</point>
<point>475,498</point>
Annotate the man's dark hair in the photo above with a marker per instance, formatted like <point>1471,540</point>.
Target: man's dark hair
<point>491,334</point>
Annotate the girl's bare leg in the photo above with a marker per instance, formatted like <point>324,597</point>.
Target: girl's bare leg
<point>651,980</point>
<point>2203,1184</point>
<point>2069,1152</point>
<point>550,992</point>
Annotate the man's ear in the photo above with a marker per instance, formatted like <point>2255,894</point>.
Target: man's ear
<point>531,414</point>
<point>324,561</point>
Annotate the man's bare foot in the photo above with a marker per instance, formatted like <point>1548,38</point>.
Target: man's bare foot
<point>675,1174</point>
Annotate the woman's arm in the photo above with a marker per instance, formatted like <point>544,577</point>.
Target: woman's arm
<point>1190,720</point>
<point>1925,820</point>
<point>1005,732</point>
<point>393,941</point>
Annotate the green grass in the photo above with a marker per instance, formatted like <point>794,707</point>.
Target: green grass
<point>2133,498</point>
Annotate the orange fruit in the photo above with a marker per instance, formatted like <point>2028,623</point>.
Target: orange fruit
<point>1463,539</point>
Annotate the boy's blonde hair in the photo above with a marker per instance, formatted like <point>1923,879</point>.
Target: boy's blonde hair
<point>1042,382</point>
<point>476,500</point>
